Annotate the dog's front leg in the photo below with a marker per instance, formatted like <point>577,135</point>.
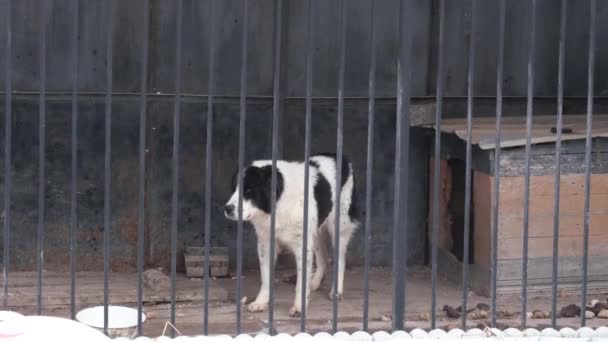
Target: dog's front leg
<point>261,301</point>
<point>296,309</point>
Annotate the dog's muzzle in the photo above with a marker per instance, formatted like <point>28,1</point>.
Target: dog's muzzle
<point>229,211</point>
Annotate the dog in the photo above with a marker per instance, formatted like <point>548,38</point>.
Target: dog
<point>289,218</point>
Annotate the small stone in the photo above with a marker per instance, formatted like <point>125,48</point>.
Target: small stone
<point>451,312</point>
<point>538,314</point>
<point>478,314</point>
<point>156,280</point>
<point>571,310</point>
<point>424,317</point>
<point>506,314</point>
<point>386,318</point>
<point>483,306</point>
<point>469,309</point>
<point>599,306</point>
<point>603,314</point>
<point>589,314</point>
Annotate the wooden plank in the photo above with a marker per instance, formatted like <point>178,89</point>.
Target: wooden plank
<point>514,165</point>
<point>570,269</point>
<point>568,147</point>
<point>515,139</point>
<point>542,287</point>
<point>444,234</point>
<point>539,247</point>
<point>543,205</point>
<point>569,225</point>
<point>89,291</point>
<point>513,187</point>
<point>481,201</point>
<point>513,129</point>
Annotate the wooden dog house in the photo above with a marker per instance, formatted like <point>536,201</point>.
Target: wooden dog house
<point>511,202</point>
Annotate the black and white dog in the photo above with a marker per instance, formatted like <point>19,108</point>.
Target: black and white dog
<point>290,216</point>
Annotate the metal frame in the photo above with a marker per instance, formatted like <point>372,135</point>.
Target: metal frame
<point>401,166</point>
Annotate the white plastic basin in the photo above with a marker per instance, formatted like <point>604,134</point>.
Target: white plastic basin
<point>122,321</point>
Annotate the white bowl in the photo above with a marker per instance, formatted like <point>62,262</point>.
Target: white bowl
<point>122,321</point>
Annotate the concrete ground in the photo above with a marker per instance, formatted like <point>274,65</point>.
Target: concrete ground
<point>222,307</point>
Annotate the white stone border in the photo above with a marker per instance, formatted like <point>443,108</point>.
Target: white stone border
<point>473,335</point>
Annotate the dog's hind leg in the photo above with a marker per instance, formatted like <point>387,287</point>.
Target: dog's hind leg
<point>346,230</point>
<point>320,250</point>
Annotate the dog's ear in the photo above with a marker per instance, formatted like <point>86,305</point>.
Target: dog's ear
<point>266,178</point>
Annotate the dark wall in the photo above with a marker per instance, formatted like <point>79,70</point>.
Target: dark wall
<point>128,39</point>
<point>191,192</point>
<point>128,30</point>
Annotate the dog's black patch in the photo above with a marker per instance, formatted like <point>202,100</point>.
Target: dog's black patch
<point>322,192</point>
<point>313,163</point>
<point>257,186</point>
<point>345,164</point>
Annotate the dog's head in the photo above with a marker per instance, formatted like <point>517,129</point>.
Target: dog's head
<point>256,193</point>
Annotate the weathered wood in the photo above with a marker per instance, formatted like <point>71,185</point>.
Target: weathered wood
<point>544,206</point>
<point>513,129</point>
<point>89,291</point>
<point>513,187</point>
<point>541,288</point>
<point>512,248</point>
<point>542,161</point>
<point>482,202</point>
<point>444,234</point>
<point>569,225</point>
<point>544,164</point>
<point>540,270</point>
<point>452,147</point>
<point>598,144</point>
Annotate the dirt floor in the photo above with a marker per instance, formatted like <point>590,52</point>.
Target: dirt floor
<point>222,307</point>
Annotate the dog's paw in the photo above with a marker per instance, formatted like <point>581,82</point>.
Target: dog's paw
<point>257,306</point>
<point>330,295</point>
<point>294,312</point>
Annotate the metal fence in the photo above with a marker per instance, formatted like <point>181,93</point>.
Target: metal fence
<point>402,145</point>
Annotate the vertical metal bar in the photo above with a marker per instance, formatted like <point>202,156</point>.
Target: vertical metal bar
<point>529,113</point>
<point>41,155</point>
<point>371,113</point>
<point>469,154</point>
<point>208,163</point>
<point>175,161</point>
<point>276,103</point>
<point>8,180</point>
<point>558,154</point>
<point>339,148</point>
<point>74,188</point>
<point>143,102</point>
<point>107,224</point>
<point>495,197</point>
<point>437,168</point>
<point>242,125</point>
<point>402,151</point>
<point>590,70</point>
<point>307,123</point>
